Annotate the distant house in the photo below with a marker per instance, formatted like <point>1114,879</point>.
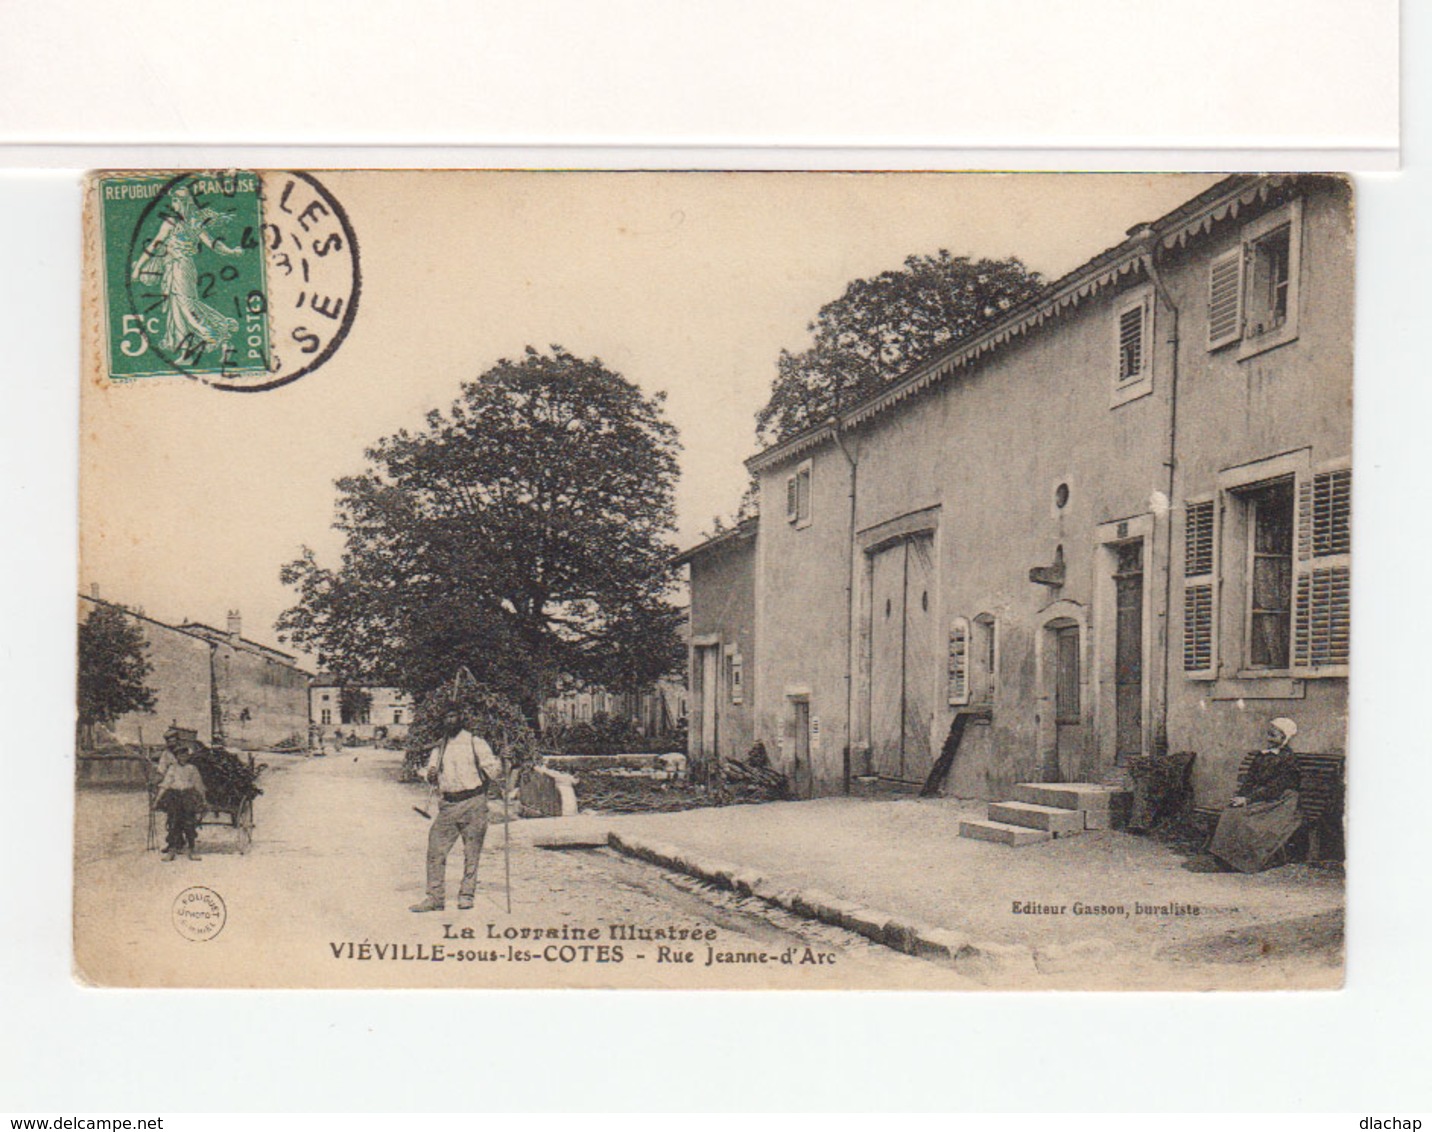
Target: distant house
<point>653,712</point>
<point>356,708</point>
<point>723,643</point>
<point>215,682</point>
<point>1116,521</point>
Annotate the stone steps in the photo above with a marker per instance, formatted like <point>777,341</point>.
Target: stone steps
<point>1041,811</point>
<point>1003,833</point>
<point>1052,819</point>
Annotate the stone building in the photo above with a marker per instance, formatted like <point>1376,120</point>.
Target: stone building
<point>215,682</point>
<point>1117,520</point>
<point>723,644</point>
<point>367,710</point>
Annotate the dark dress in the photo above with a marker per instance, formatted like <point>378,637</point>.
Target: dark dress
<point>1248,837</point>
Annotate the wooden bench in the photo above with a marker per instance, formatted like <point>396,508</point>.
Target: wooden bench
<point>1320,796</point>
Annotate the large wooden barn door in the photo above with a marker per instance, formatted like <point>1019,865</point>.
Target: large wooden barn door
<point>887,659</point>
<point>902,661</point>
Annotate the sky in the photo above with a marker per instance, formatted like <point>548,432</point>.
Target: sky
<point>192,498</point>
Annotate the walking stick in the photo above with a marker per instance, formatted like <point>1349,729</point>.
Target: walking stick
<point>506,836</point>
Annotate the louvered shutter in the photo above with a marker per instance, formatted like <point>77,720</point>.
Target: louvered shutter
<point>1131,343</point>
<point>1225,299</point>
<point>1322,609</point>
<point>793,497</point>
<point>1198,591</point>
<point>959,662</point>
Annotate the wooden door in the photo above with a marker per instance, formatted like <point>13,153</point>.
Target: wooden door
<point>1129,652</point>
<point>887,659</point>
<point>803,774</point>
<point>922,664</point>
<point>1068,708</point>
<point>903,662</point>
<point>709,678</point>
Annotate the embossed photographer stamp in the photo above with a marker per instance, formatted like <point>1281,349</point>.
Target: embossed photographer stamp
<point>242,280</point>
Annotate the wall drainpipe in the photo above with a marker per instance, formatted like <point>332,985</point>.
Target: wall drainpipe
<point>849,610</point>
<point>1145,234</point>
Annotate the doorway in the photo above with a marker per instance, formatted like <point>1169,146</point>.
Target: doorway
<point>1068,706</point>
<point>1128,651</point>
<point>802,773</point>
<point>902,658</point>
<point>707,688</point>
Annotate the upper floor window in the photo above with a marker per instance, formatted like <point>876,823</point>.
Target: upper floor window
<point>1253,288</point>
<point>798,495</point>
<point>1133,345</point>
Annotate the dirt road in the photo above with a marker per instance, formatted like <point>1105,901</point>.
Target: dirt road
<point>322,898</point>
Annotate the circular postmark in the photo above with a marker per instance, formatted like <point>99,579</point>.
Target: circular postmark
<point>199,913</point>
<point>243,280</point>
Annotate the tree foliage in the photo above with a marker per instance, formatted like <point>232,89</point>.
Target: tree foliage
<point>882,327</point>
<point>522,534</point>
<point>112,667</point>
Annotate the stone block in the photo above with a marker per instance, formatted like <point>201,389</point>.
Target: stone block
<point>1058,821</point>
<point>1003,833</point>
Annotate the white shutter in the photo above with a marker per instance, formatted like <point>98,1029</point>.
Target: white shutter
<point>1322,600</point>
<point>1225,299</point>
<point>793,496</point>
<point>1198,591</point>
<point>959,662</point>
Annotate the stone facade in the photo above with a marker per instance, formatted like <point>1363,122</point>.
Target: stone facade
<point>205,678</point>
<point>1118,519</point>
<point>388,714</point>
<point>723,645</point>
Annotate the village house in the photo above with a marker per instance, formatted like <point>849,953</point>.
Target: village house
<point>723,644</point>
<point>655,712</point>
<point>215,682</point>
<point>366,710</point>
<point>1114,522</point>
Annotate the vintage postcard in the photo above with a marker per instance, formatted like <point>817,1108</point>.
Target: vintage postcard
<point>714,580</point>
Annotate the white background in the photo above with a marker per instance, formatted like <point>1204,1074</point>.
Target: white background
<point>1101,83</point>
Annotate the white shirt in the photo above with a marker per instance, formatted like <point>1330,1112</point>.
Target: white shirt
<point>457,764</point>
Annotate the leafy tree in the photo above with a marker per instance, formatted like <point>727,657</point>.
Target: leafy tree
<point>881,328</point>
<point>522,534</point>
<point>112,669</point>
<point>354,704</point>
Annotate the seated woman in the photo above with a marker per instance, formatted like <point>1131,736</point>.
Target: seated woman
<point>1261,820</point>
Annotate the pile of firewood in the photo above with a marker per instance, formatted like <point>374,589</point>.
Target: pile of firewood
<point>750,779</point>
<point>227,778</point>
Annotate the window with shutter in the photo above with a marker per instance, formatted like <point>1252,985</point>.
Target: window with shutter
<point>1133,358</point>
<point>1225,299</point>
<point>798,498</point>
<point>959,657</point>
<point>1131,344</point>
<point>1322,623</point>
<point>1198,611</point>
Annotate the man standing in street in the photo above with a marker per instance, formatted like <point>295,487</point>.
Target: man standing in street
<point>461,767</point>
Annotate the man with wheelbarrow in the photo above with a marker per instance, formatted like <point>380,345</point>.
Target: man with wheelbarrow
<point>460,769</point>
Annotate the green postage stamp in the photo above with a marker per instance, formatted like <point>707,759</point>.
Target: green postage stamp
<point>242,280</point>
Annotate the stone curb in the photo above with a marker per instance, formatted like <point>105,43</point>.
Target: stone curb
<point>940,945</point>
